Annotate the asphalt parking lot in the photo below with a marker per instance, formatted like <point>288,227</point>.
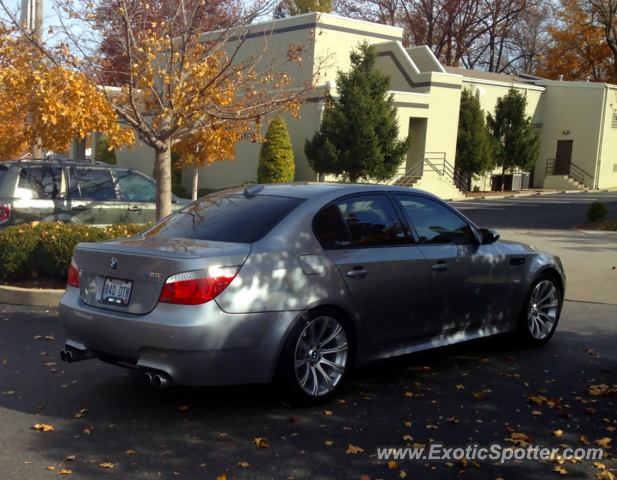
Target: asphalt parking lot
<point>102,415</point>
<point>558,211</point>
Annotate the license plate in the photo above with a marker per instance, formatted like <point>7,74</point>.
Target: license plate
<point>117,291</point>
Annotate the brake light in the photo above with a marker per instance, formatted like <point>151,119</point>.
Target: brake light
<point>5,211</point>
<point>194,288</point>
<point>73,275</point>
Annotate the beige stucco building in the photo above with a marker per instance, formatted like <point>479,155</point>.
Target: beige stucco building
<point>576,121</point>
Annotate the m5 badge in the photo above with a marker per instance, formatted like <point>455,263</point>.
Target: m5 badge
<point>152,275</point>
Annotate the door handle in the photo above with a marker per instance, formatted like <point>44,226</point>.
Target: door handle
<point>357,272</point>
<point>134,208</point>
<point>440,266</point>
<point>79,207</point>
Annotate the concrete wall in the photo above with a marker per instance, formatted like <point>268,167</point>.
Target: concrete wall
<point>608,154</point>
<point>574,107</point>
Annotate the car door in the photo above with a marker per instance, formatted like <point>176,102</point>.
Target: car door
<point>39,194</point>
<point>139,195</point>
<point>385,272</point>
<point>469,281</point>
<point>93,197</point>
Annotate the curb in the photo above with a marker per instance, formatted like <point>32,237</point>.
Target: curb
<point>551,192</point>
<point>595,232</point>
<point>28,296</point>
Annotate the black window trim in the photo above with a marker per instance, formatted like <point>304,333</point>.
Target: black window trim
<point>406,230</point>
<point>474,229</point>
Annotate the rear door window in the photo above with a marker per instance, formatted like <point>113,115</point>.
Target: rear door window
<point>372,221</point>
<point>135,187</point>
<point>39,182</point>
<point>233,218</point>
<point>91,184</point>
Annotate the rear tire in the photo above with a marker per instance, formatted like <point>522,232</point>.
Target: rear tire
<point>315,358</point>
<point>541,311</point>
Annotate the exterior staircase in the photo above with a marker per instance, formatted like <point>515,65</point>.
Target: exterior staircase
<point>562,182</point>
<point>565,176</point>
<point>435,175</point>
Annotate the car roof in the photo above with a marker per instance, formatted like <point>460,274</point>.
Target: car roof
<point>59,161</point>
<point>308,190</point>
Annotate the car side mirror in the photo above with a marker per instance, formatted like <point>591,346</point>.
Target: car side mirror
<point>488,236</point>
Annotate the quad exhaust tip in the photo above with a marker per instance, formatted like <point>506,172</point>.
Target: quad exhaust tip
<point>157,379</point>
<point>161,380</point>
<point>72,355</point>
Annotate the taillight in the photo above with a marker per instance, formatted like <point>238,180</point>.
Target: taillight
<point>5,211</point>
<point>73,275</point>
<point>194,288</point>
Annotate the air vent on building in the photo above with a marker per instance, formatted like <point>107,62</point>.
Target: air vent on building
<point>614,121</point>
<point>537,126</point>
<point>614,167</point>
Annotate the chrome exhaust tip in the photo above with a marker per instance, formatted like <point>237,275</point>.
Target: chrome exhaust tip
<point>147,379</point>
<point>72,355</point>
<point>161,381</point>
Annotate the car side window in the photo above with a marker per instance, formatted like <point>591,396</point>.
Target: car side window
<point>372,221</point>
<point>39,183</point>
<point>135,187</point>
<point>91,184</point>
<point>435,223</point>
<point>329,228</point>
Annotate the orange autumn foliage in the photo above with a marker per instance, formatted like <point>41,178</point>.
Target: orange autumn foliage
<point>578,47</point>
<point>44,99</point>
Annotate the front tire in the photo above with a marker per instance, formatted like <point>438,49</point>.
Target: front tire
<point>541,310</point>
<point>315,358</point>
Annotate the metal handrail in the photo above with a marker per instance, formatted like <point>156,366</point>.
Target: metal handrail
<point>571,170</point>
<point>438,163</point>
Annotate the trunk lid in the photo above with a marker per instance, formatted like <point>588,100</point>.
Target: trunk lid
<point>147,262</point>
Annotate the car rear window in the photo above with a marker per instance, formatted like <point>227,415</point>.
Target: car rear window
<point>233,218</point>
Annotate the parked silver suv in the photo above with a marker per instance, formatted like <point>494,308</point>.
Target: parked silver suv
<point>76,192</point>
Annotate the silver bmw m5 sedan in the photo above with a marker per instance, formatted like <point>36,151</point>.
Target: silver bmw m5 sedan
<point>297,284</point>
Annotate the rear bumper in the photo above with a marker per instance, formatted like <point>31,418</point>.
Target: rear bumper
<point>197,345</point>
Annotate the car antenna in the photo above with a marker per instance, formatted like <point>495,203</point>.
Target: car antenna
<point>252,189</point>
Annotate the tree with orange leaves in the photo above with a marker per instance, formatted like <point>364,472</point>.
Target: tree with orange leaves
<point>578,47</point>
<point>180,87</point>
<point>42,99</point>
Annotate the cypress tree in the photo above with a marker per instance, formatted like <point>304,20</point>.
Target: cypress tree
<point>473,144</point>
<point>517,143</point>
<point>276,157</point>
<point>359,134</point>
<point>102,152</point>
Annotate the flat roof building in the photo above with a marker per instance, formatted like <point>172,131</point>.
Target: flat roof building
<point>576,121</point>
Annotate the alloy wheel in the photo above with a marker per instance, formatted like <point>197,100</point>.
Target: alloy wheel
<point>321,356</point>
<point>543,309</point>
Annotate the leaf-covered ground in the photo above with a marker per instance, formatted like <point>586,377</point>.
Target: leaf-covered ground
<point>90,420</point>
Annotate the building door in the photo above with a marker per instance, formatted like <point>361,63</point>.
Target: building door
<point>563,159</point>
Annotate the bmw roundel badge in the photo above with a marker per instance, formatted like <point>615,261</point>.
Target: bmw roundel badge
<point>113,263</point>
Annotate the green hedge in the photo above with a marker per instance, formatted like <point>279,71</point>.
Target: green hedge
<point>36,249</point>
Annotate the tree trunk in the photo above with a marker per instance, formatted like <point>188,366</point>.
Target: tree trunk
<point>503,178</point>
<point>195,181</point>
<point>353,177</point>
<point>162,167</point>
<point>469,181</point>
